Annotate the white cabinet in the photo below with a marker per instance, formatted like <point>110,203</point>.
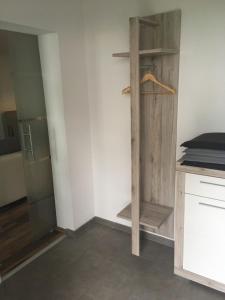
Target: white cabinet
<point>200,226</point>
<point>204,237</point>
<point>205,186</point>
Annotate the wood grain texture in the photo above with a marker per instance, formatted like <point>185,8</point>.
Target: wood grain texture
<point>30,250</point>
<point>151,215</point>
<point>15,229</point>
<point>200,171</point>
<point>148,52</point>
<point>159,117</point>
<point>144,21</point>
<point>121,54</point>
<point>135,132</point>
<point>179,219</point>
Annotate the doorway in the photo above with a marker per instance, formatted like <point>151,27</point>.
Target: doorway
<point>27,205</point>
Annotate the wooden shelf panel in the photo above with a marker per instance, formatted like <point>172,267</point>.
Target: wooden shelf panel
<point>158,51</point>
<point>200,171</point>
<point>151,52</point>
<point>121,54</point>
<point>145,21</point>
<point>152,215</point>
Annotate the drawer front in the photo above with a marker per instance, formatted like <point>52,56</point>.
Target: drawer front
<point>205,186</point>
<point>204,237</point>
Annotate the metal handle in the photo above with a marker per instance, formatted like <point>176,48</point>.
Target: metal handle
<point>31,141</point>
<point>38,118</point>
<point>211,205</point>
<point>211,183</point>
<point>29,135</point>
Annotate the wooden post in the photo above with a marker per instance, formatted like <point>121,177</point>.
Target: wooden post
<point>135,132</point>
<point>179,220</point>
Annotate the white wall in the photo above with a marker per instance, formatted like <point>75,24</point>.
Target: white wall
<point>201,86</point>
<point>65,19</point>
<point>201,89</point>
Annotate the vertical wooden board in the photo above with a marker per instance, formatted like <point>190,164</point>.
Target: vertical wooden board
<point>170,64</point>
<point>179,219</point>
<point>145,187</point>
<point>147,36</point>
<point>135,132</point>
<point>155,148</point>
<point>148,114</point>
<point>150,140</point>
<point>159,118</point>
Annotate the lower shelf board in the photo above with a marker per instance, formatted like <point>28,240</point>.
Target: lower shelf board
<point>152,215</point>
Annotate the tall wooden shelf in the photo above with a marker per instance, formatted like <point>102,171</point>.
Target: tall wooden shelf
<point>153,124</point>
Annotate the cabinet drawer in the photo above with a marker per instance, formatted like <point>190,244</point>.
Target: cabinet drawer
<point>205,186</point>
<point>204,239</point>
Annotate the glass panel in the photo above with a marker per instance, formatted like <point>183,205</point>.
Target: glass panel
<point>43,217</point>
<point>31,111</point>
<point>29,96</point>
<point>27,76</point>
<point>38,177</point>
<point>34,135</point>
<point>9,135</point>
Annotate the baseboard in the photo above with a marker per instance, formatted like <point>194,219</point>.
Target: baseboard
<point>87,226</point>
<point>200,279</point>
<point>76,233</point>
<point>146,235</point>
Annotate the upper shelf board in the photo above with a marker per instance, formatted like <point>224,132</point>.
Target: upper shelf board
<point>152,215</point>
<point>148,22</point>
<point>151,52</point>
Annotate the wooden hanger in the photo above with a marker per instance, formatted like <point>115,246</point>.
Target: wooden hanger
<point>150,77</point>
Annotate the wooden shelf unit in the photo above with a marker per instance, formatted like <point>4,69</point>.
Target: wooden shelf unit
<point>152,215</point>
<point>153,124</point>
<point>150,52</point>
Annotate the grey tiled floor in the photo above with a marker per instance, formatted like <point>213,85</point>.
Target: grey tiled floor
<point>96,264</point>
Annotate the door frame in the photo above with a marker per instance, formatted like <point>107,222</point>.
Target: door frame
<point>52,80</point>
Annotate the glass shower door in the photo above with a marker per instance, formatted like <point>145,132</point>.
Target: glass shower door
<point>31,113</point>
